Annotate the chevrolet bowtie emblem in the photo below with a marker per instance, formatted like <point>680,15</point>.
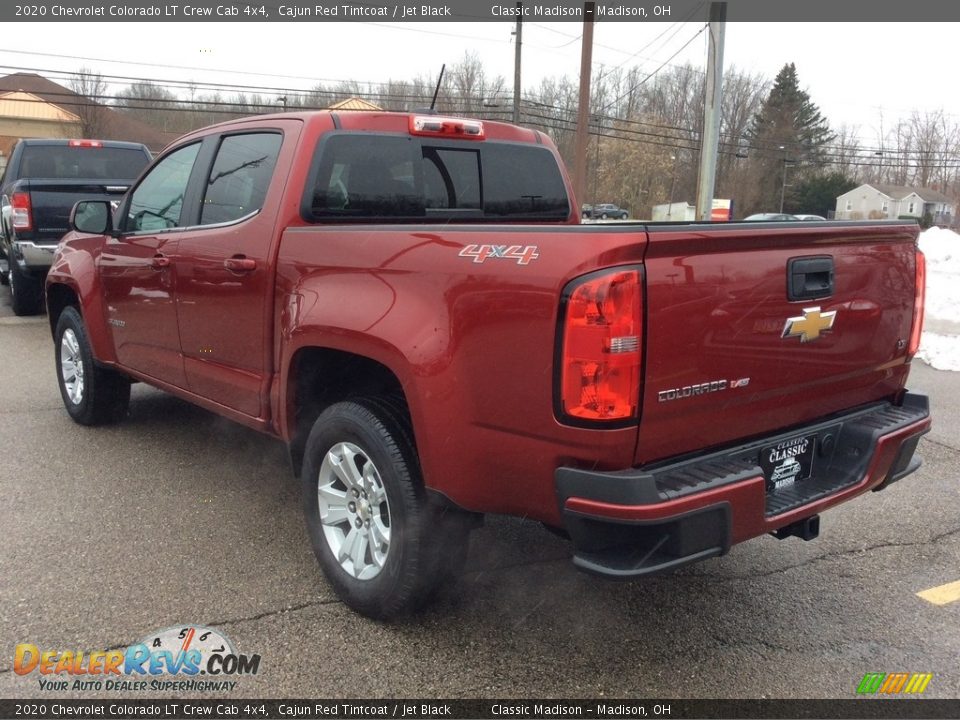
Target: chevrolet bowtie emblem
<point>809,325</point>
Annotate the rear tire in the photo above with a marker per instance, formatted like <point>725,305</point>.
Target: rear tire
<point>26,292</point>
<point>381,543</point>
<point>92,395</point>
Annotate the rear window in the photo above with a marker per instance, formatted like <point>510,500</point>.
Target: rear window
<point>88,163</point>
<point>403,178</point>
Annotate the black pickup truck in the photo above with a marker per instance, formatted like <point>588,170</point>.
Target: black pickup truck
<point>39,187</point>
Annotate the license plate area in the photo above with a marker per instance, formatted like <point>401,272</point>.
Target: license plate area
<point>788,462</point>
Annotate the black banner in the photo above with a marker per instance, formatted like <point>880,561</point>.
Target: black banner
<point>856,11</point>
<point>480,709</point>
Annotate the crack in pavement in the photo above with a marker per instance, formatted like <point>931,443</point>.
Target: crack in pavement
<point>940,443</point>
<point>31,410</point>
<point>281,611</point>
<point>826,556</point>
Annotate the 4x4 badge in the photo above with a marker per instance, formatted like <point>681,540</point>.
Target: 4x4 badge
<point>809,325</point>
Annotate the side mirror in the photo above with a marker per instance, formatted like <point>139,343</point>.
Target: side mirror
<point>92,216</point>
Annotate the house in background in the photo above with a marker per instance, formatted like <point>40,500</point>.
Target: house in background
<point>354,103</point>
<point>33,107</point>
<point>879,202</point>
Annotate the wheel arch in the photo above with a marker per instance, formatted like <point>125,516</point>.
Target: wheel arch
<point>60,296</point>
<point>318,377</point>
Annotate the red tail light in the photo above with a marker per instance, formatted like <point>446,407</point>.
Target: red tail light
<point>22,215</point>
<point>601,349</point>
<point>85,143</point>
<point>918,305</point>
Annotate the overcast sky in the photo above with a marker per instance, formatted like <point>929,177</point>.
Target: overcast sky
<point>859,74</point>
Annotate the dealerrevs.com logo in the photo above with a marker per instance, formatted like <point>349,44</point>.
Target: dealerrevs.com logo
<point>180,658</point>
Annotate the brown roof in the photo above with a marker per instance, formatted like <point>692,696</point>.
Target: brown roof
<point>899,192</point>
<point>354,103</point>
<point>117,125</point>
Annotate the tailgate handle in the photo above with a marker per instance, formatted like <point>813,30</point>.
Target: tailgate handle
<point>809,278</point>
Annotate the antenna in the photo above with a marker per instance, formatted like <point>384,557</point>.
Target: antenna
<point>436,92</point>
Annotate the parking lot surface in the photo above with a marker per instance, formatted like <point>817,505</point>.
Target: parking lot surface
<point>176,516</point>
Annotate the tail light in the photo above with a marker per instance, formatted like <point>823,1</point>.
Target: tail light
<point>600,349</point>
<point>446,126</point>
<point>918,305</point>
<point>22,213</point>
<point>85,143</point>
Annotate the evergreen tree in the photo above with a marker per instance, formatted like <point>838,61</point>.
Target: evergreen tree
<point>818,193</point>
<point>790,131</point>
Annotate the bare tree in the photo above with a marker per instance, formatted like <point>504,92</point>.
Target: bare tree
<point>92,89</point>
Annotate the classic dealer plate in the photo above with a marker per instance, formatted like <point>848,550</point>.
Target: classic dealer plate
<point>787,462</point>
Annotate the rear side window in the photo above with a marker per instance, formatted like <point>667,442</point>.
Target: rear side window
<point>88,163</point>
<point>240,177</point>
<point>403,178</point>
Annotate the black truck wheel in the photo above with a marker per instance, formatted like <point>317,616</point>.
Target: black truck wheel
<point>384,547</point>
<point>26,292</point>
<point>93,395</point>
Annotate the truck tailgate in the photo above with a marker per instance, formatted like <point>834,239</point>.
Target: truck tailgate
<point>734,350</point>
<point>52,201</point>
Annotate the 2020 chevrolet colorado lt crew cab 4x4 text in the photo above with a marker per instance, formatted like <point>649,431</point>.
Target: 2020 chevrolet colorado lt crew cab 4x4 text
<point>411,303</point>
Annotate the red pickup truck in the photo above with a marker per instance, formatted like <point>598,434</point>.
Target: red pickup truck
<point>411,303</point>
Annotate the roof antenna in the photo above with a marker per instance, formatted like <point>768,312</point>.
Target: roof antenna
<point>433,104</point>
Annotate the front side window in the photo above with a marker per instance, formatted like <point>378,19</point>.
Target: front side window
<point>240,177</point>
<point>158,200</point>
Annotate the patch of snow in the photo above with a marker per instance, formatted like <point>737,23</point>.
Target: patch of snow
<point>940,342</point>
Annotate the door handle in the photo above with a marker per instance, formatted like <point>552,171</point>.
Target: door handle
<point>159,262</point>
<point>240,264</point>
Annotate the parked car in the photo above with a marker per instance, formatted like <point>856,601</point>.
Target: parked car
<point>437,339</point>
<point>39,187</point>
<point>604,211</point>
<point>771,217</point>
<point>809,217</point>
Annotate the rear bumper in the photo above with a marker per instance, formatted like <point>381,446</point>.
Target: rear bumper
<point>643,521</point>
<point>33,256</point>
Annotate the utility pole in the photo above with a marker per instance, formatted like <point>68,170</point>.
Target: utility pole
<point>711,112</point>
<point>583,110</point>
<point>518,33</point>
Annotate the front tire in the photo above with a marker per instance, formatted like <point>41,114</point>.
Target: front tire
<point>92,395</point>
<point>381,543</point>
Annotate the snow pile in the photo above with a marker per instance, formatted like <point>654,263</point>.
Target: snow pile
<point>940,343</point>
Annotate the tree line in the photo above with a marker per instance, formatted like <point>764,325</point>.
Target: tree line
<point>776,149</point>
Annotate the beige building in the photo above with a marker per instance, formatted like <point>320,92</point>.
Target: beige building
<point>33,107</point>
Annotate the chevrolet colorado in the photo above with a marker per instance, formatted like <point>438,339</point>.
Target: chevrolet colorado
<point>410,302</point>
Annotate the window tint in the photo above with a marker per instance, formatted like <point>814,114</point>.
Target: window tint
<point>451,178</point>
<point>158,200</point>
<point>395,177</point>
<point>523,181</point>
<point>240,177</point>
<point>367,177</point>
<point>95,163</point>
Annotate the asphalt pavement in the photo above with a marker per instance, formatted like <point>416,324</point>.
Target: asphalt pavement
<point>176,516</point>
